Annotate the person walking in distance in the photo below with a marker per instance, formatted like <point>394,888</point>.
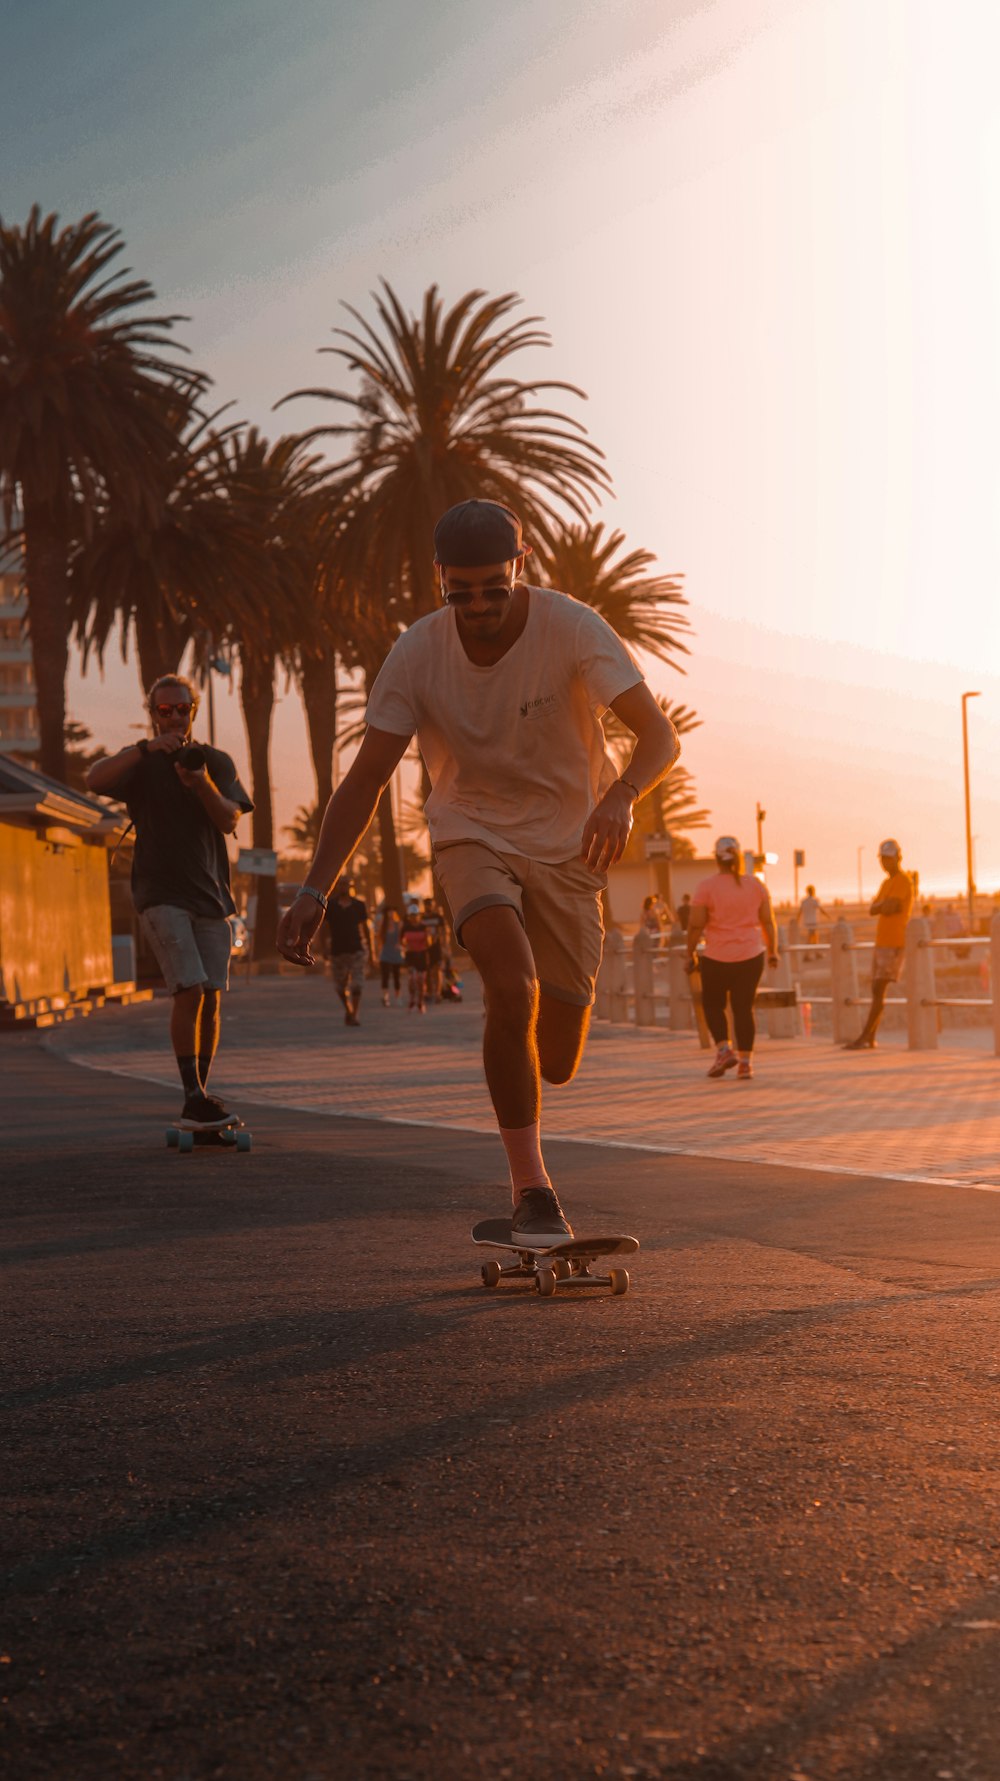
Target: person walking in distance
<point>415,940</point>
<point>505,687</point>
<point>733,912</point>
<point>352,947</point>
<point>390,953</point>
<point>184,798</point>
<point>434,922</point>
<point>810,910</point>
<point>893,905</point>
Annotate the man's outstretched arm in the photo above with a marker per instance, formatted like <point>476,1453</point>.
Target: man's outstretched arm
<point>657,746</point>
<point>348,815</point>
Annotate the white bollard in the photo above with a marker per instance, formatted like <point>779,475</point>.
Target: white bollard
<point>616,962</point>
<point>681,1016</point>
<point>645,947</point>
<point>843,983</point>
<point>921,991</point>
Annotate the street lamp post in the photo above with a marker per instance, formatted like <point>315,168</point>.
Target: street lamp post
<point>970,881</point>
<point>861,895</point>
<point>761,814</point>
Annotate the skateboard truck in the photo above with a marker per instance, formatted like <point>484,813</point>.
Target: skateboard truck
<point>564,1261</point>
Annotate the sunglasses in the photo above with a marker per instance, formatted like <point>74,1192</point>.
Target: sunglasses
<point>464,596</point>
<point>183,710</point>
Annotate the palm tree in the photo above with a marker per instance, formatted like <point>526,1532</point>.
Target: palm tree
<point>189,570</point>
<point>84,415</point>
<point>272,489</point>
<point>437,418</point>
<point>641,607</point>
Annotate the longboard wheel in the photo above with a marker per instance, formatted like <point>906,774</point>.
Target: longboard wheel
<point>244,1140</point>
<point>562,1267</point>
<point>545,1282</point>
<point>185,1141</point>
<point>172,1137</point>
<point>491,1272</point>
<point>619,1281</point>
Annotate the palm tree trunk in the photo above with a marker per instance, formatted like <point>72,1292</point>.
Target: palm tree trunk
<point>160,642</point>
<point>257,700</point>
<point>46,578</point>
<point>318,679</point>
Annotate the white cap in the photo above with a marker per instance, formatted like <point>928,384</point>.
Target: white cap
<point>892,847</point>
<point>727,847</point>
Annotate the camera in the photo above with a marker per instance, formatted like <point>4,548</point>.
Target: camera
<point>192,757</point>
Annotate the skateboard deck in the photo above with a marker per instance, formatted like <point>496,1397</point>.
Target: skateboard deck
<point>231,1136</point>
<point>549,1261</point>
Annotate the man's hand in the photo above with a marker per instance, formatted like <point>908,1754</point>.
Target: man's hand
<point>168,743</point>
<point>607,829</point>
<point>297,928</point>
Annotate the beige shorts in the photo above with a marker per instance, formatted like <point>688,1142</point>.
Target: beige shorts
<point>559,908</point>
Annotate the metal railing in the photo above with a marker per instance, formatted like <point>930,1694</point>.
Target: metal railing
<point>645,982</point>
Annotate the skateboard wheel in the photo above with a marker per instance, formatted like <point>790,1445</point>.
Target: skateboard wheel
<point>172,1136</point>
<point>491,1272</point>
<point>619,1281</point>
<point>545,1282</point>
<point>562,1268</point>
<point>244,1140</point>
<point>185,1141</point>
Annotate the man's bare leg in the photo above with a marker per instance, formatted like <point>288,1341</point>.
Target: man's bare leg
<point>562,1035</point>
<point>499,949</point>
<point>185,1021</point>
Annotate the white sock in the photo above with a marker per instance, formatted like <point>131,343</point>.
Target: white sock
<point>523,1145</point>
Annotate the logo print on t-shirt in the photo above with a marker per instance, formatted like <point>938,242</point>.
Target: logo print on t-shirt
<point>538,707</point>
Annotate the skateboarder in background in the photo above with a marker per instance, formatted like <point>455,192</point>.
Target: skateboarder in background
<point>893,905</point>
<point>180,874</point>
<point>352,947</point>
<point>504,687</point>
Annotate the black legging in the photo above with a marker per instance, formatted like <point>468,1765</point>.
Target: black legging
<point>736,979</point>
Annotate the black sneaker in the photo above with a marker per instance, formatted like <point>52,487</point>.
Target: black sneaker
<point>204,1110</point>
<point>539,1214</point>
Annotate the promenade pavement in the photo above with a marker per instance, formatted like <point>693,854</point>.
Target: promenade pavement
<point>288,1494</point>
<point>921,1116</point>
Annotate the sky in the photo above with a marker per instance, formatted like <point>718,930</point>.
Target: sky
<point>765,240</point>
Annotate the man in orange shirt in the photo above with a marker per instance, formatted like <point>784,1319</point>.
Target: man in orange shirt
<point>892,906</point>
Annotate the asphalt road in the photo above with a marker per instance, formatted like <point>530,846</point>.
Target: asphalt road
<point>288,1493</point>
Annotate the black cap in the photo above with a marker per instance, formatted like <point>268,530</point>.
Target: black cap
<point>476,533</point>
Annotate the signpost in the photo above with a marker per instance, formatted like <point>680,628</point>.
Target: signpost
<point>259,862</point>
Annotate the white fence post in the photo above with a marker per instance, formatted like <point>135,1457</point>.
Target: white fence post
<point>995,979</point>
<point>843,982</point>
<point>644,950</point>
<point>782,1023</point>
<point>614,970</point>
<point>681,1016</point>
<point>921,1013</point>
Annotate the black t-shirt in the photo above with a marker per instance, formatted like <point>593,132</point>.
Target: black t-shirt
<point>347,925</point>
<point>180,856</point>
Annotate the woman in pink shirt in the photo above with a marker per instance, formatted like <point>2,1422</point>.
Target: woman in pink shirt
<point>733,912</point>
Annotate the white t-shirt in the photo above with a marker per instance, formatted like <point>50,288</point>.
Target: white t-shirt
<point>515,752</point>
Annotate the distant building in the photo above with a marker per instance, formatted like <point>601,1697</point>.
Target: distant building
<point>18,704</point>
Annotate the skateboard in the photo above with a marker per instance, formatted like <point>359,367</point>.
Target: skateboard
<point>563,1261</point>
<point>231,1136</point>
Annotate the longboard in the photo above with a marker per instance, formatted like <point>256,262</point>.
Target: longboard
<point>231,1136</point>
<point>551,1261</point>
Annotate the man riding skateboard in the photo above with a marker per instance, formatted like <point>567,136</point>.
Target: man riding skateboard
<point>184,799</point>
<point>504,687</point>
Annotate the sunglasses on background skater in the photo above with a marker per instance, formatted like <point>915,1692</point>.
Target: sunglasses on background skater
<point>464,596</point>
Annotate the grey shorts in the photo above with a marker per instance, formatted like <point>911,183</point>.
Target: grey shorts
<point>887,964</point>
<point>190,949</point>
<point>559,907</point>
<point>348,970</point>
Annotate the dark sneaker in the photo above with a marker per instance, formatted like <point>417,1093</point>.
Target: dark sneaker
<point>539,1214</point>
<point>204,1110</point>
<point>863,1042</point>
